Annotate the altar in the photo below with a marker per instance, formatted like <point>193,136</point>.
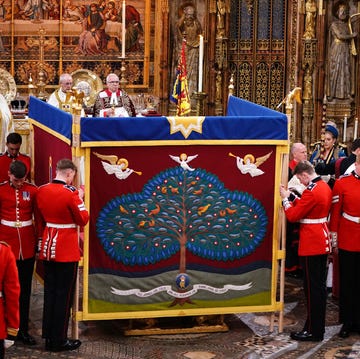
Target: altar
<point>184,211</point>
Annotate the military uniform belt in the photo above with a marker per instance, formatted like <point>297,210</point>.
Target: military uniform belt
<point>16,224</point>
<point>351,218</point>
<point>61,225</point>
<point>313,220</point>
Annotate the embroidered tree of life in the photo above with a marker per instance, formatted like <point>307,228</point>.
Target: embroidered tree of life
<point>180,210</point>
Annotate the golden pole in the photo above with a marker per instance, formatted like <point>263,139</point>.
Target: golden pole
<point>61,39</point>
<point>295,94</point>
<point>12,39</point>
<point>76,154</point>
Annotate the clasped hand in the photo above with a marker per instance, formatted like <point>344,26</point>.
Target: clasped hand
<point>284,193</point>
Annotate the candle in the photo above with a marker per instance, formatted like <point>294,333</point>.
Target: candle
<point>345,125</point>
<point>123,29</point>
<point>320,7</point>
<point>201,60</point>
<point>356,128</point>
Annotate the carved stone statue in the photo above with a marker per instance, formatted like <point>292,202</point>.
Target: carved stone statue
<point>189,27</point>
<point>221,11</point>
<point>339,79</point>
<point>308,83</point>
<point>310,19</point>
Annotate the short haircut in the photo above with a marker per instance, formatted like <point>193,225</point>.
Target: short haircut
<point>64,77</point>
<point>111,75</point>
<point>355,145</point>
<point>304,166</point>
<point>65,164</point>
<point>18,169</point>
<point>296,147</point>
<point>14,138</point>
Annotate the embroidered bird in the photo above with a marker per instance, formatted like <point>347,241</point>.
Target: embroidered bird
<point>142,224</point>
<point>155,210</point>
<point>184,160</point>
<point>123,210</point>
<point>203,209</point>
<point>230,211</point>
<point>174,189</point>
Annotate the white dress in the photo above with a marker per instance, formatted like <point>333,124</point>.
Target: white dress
<point>7,123</point>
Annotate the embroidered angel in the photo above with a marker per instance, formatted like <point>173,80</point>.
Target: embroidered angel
<point>116,166</point>
<point>249,165</point>
<point>184,160</point>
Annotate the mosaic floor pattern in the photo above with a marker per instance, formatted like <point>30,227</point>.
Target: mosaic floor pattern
<point>248,337</point>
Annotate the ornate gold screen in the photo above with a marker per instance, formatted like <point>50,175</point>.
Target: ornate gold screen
<point>257,50</point>
<point>67,35</point>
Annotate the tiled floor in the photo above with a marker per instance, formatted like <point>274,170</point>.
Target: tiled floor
<point>248,337</point>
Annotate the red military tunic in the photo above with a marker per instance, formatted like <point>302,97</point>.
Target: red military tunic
<point>346,199</point>
<point>60,239</point>
<point>6,159</point>
<point>313,206</point>
<point>10,292</point>
<point>16,214</point>
<point>292,164</point>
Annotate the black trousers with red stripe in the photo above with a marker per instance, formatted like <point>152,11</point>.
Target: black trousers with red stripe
<point>59,285</point>
<point>349,271</point>
<point>314,271</point>
<point>25,269</point>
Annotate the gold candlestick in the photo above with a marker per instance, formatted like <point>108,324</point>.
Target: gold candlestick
<point>123,80</point>
<point>31,86</point>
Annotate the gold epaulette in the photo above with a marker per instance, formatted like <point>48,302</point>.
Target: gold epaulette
<point>315,144</point>
<point>342,145</point>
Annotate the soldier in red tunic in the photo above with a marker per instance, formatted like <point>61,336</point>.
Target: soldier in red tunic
<point>62,211</point>
<point>345,229</point>
<point>17,200</point>
<point>311,210</point>
<point>13,144</point>
<point>9,296</point>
